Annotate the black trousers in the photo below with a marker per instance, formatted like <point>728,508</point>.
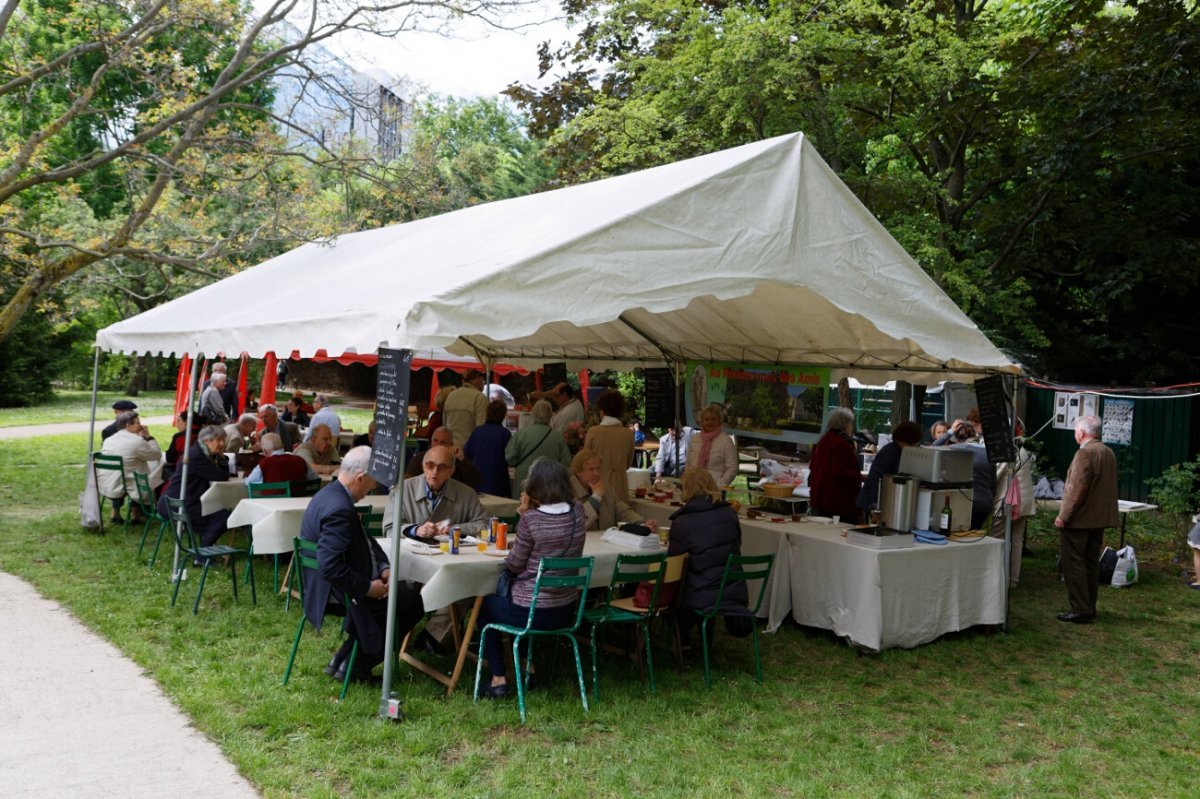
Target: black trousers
<point>1079,552</point>
<point>409,610</point>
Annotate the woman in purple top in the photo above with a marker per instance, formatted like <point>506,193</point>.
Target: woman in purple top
<point>485,448</point>
<point>552,525</point>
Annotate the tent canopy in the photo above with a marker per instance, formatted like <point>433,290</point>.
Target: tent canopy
<point>754,254</point>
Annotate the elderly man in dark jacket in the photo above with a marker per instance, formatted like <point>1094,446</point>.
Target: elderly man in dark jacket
<point>353,574</point>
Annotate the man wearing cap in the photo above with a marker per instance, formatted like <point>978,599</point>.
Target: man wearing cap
<point>324,416</point>
<point>119,407</point>
<point>466,407</point>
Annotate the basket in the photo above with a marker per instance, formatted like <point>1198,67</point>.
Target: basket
<point>778,490</point>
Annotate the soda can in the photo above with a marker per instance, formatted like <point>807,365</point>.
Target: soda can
<point>502,535</point>
<point>495,522</point>
<point>455,539</point>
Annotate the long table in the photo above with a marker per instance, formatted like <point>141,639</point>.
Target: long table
<point>473,575</point>
<point>880,599</point>
<point>275,521</point>
<point>875,599</point>
<point>759,537</point>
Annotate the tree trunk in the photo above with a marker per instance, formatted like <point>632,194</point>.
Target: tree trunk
<point>136,377</point>
<point>844,398</point>
<point>901,398</point>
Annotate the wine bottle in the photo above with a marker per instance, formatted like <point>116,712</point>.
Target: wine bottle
<point>946,518</point>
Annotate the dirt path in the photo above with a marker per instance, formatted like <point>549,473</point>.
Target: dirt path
<point>157,424</point>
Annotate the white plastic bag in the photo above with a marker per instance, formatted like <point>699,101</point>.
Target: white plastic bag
<point>1126,572</point>
<point>89,503</point>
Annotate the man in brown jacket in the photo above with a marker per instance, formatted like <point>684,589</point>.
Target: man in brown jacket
<point>1089,504</point>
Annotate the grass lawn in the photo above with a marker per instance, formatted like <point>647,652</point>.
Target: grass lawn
<point>75,406</point>
<point>1047,709</point>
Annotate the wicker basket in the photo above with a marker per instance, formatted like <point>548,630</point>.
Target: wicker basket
<point>778,490</point>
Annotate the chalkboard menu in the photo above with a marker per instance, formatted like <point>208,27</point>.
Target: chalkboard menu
<point>553,374</point>
<point>995,414</point>
<point>660,398</point>
<point>391,415</point>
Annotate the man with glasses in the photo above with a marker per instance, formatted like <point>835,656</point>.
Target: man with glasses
<point>433,503</point>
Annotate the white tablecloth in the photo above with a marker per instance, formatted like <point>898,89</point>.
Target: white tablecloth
<point>879,599</point>
<point>449,578</point>
<point>223,496</point>
<point>759,537</point>
<point>275,521</point>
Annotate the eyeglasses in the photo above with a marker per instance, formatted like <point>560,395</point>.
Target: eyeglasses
<point>437,467</point>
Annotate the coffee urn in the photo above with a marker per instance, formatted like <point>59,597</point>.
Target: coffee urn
<point>898,502</point>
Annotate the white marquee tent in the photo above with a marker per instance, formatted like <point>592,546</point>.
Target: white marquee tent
<point>756,254</point>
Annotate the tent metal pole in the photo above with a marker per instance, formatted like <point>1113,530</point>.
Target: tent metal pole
<point>92,422</point>
<point>176,572</point>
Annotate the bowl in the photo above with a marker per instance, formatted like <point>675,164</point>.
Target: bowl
<point>778,490</point>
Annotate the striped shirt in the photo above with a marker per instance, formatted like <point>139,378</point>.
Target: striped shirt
<point>545,535</point>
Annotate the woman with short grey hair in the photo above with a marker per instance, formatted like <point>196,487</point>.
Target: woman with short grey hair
<point>834,476</point>
<point>536,439</point>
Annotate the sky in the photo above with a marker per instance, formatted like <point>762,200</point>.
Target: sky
<point>477,61</point>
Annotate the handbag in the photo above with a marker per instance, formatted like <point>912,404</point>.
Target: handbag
<point>504,584</point>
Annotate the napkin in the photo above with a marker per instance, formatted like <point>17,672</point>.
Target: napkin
<point>630,540</point>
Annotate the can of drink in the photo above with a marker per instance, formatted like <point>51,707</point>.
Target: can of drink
<point>455,539</point>
<point>492,530</point>
<point>501,535</point>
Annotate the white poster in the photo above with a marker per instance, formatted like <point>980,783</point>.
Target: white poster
<point>1070,405</point>
<point>1118,421</point>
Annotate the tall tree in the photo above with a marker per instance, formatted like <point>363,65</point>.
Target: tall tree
<point>966,125</point>
<point>110,112</point>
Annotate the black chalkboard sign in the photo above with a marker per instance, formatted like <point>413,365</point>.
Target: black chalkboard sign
<point>995,414</point>
<point>391,415</point>
<point>660,398</point>
<point>553,374</point>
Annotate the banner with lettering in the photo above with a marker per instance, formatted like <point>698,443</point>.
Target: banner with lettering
<point>783,403</point>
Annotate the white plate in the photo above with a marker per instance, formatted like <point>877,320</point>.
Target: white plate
<point>496,553</point>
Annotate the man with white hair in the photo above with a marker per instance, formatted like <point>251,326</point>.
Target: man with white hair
<point>240,435</point>
<point>278,465</point>
<point>288,432</point>
<point>326,416</point>
<point>352,571</point>
<point>212,404</point>
<point>1089,504</point>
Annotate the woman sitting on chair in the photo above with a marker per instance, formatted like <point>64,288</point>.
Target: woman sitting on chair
<point>707,529</point>
<point>552,525</point>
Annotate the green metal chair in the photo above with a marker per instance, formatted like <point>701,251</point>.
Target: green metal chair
<point>663,607</point>
<point>629,568</point>
<point>110,463</point>
<point>264,490</point>
<point>304,556</point>
<point>145,501</point>
<point>189,546</point>
<point>371,520</point>
<point>738,568</point>
<point>267,491</point>
<point>552,573</point>
<point>306,488</point>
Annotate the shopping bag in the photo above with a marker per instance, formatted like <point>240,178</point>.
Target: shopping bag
<point>89,503</point>
<point>1126,571</point>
